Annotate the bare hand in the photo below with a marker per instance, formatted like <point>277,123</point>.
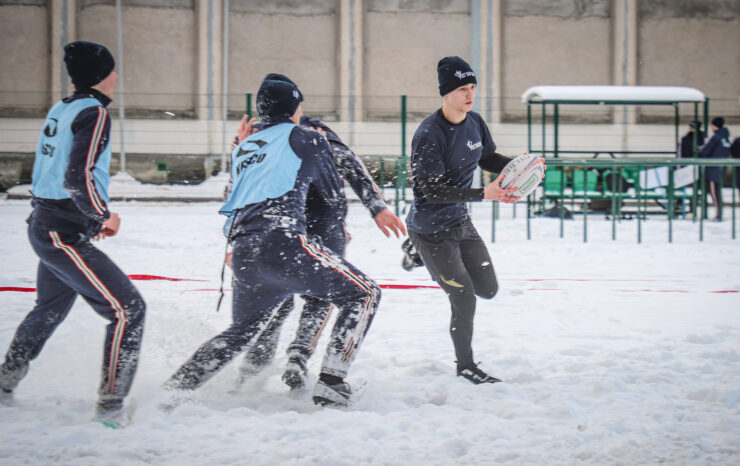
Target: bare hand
<point>228,258</point>
<point>245,128</point>
<point>110,227</point>
<point>386,221</point>
<point>494,192</point>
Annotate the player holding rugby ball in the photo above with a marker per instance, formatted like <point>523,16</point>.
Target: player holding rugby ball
<point>446,149</point>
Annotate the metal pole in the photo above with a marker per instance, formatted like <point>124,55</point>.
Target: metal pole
<point>529,215</point>
<point>562,203</point>
<point>555,123</point>
<point>529,127</point>
<point>696,131</point>
<point>703,202</point>
<point>544,122</point>
<point>121,105</point>
<point>734,188</point>
<point>585,204</point>
<point>614,206</point>
<point>675,119</point>
<point>670,203</point>
<point>638,194</point>
<point>224,84</point>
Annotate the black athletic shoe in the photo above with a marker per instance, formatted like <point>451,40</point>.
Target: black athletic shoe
<point>411,258</point>
<point>295,373</point>
<point>476,375</point>
<point>339,394</point>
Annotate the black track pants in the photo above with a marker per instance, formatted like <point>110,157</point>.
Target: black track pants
<point>70,265</point>
<point>458,260</point>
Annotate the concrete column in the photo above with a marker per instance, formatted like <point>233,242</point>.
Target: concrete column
<point>476,48</point>
<point>351,46</point>
<point>63,25</point>
<point>210,70</point>
<point>625,26</point>
<point>496,51</point>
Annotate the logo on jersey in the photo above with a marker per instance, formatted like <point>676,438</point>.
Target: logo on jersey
<point>254,158</point>
<point>472,146</point>
<point>259,143</point>
<point>48,149</point>
<point>51,129</point>
<point>461,75</point>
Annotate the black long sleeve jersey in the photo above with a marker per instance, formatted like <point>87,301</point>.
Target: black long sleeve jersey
<point>444,157</point>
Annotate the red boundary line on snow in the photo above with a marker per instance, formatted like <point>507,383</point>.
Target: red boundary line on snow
<point>169,279</point>
<point>394,286</point>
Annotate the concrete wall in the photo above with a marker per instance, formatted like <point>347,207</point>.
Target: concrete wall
<point>24,52</point>
<point>298,39</point>
<point>692,43</point>
<point>353,59</point>
<point>159,60</point>
<point>526,64</point>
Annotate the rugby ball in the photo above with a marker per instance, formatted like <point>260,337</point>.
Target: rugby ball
<point>525,173</point>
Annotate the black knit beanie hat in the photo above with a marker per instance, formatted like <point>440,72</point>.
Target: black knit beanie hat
<point>718,122</point>
<point>87,63</point>
<point>453,72</point>
<point>278,97</point>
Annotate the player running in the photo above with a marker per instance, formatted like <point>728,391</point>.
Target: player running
<point>70,208</point>
<point>327,227</point>
<point>273,171</point>
<point>446,149</point>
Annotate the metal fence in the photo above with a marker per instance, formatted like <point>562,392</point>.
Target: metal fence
<point>631,188</point>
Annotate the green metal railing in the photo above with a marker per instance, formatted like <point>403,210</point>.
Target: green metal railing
<point>580,167</point>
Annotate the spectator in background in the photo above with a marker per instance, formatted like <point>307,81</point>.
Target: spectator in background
<point>735,153</point>
<point>686,148</point>
<point>718,147</point>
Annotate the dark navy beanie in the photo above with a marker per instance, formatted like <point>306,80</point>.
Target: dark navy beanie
<point>718,122</point>
<point>453,72</point>
<point>87,63</point>
<point>278,97</point>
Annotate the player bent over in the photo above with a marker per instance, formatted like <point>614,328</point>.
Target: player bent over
<point>446,149</point>
<point>70,188</point>
<point>273,171</point>
<point>326,226</point>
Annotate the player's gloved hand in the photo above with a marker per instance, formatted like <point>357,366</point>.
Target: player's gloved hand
<point>494,192</point>
<point>387,220</point>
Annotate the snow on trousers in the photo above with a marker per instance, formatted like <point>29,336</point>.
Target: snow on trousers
<point>458,260</point>
<point>268,268</point>
<point>69,266</point>
<point>315,314</point>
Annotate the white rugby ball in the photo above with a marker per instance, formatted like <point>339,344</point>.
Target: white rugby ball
<point>525,173</point>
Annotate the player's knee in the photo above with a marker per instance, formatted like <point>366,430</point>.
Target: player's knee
<point>489,291</point>
<point>375,291</point>
<point>136,310</point>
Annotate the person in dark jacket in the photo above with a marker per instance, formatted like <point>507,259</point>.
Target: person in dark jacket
<point>735,153</point>
<point>718,147</point>
<point>328,228</point>
<point>446,149</point>
<point>686,147</point>
<point>70,209</point>
<point>274,171</point>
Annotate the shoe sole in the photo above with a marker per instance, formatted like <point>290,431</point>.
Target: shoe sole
<point>294,379</point>
<point>320,400</point>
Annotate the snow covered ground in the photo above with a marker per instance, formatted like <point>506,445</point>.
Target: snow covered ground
<point>611,353</point>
